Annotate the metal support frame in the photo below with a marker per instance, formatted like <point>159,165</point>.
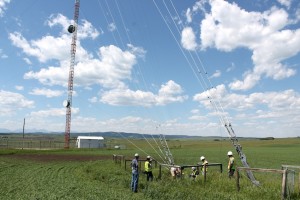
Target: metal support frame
<point>190,166</point>
<point>242,156</point>
<point>168,154</point>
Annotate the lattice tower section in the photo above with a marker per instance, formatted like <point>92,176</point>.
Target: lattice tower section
<point>72,29</point>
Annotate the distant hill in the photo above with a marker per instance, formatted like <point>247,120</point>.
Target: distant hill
<point>128,135</point>
<point>141,136</point>
<point>109,135</point>
<point>3,130</point>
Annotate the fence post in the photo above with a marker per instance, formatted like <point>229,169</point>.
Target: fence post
<point>299,183</point>
<point>159,172</point>
<point>238,180</point>
<point>120,159</point>
<point>283,188</point>
<point>221,168</point>
<point>204,168</point>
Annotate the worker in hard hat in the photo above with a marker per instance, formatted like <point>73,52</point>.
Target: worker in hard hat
<point>194,173</point>
<point>148,168</point>
<point>135,173</point>
<point>231,164</point>
<point>203,164</point>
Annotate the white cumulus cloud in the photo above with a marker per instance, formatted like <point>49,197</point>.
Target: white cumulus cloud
<point>46,92</point>
<point>188,39</point>
<point>286,3</point>
<point>10,102</point>
<point>264,33</point>
<point>3,4</point>
<point>287,99</point>
<point>168,93</point>
<point>188,15</point>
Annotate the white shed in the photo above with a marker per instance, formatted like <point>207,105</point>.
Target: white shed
<point>90,142</point>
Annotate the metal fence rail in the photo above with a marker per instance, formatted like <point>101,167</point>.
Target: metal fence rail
<point>33,144</point>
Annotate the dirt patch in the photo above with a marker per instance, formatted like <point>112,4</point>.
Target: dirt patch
<point>53,157</point>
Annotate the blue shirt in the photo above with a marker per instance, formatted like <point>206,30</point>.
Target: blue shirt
<point>134,165</point>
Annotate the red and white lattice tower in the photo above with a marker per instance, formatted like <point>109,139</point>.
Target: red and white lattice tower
<point>68,104</point>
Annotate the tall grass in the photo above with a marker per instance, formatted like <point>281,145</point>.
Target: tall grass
<point>103,179</point>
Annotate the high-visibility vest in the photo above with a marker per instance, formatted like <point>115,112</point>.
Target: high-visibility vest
<point>148,166</point>
<point>204,163</point>
<point>231,164</point>
<point>195,173</point>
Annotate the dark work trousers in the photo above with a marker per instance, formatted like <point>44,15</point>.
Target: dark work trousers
<point>149,176</point>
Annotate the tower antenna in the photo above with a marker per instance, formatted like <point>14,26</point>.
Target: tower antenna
<point>68,103</point>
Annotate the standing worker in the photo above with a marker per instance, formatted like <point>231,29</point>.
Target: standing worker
<point>204,163</point>
<point>231,164</point>
<point>135,173</point>
<point>148,168</point>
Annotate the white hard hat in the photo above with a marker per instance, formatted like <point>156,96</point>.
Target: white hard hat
<point>193,168</point>
<point>148,156</point>
<point>229,153</point>
<point>202,158</point>
<point>136,155</point>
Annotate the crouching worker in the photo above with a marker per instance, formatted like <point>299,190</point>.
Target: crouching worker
<point>194,173</point>
<point>148,168</point>
<point>175,172</point>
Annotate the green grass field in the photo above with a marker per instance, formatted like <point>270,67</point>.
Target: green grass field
<point>105,179</point>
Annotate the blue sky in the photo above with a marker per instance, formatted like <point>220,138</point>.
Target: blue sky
<point>152,66</point>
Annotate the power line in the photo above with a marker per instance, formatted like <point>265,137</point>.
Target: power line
<point>217,106</point>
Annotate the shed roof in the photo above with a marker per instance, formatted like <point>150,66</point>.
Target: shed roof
<point>90,138</point>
